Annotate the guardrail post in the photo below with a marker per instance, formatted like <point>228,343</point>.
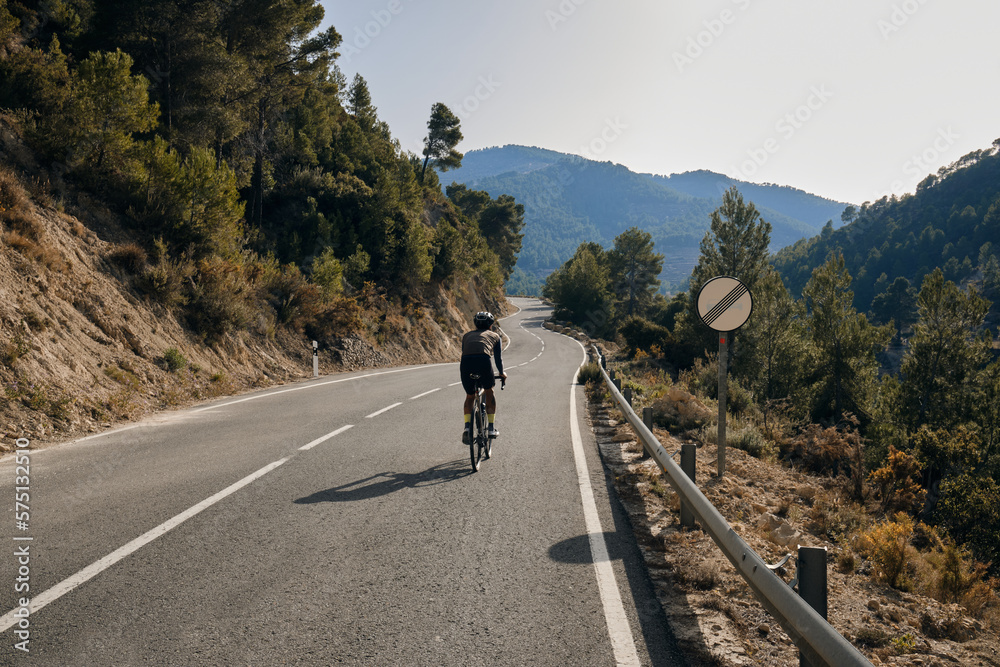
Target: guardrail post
<point>612,374</point>
<point>647,419</point>
<point>812,583</point>
<point>688,466</point>
<point>628,395</point>
<point>618,384</point>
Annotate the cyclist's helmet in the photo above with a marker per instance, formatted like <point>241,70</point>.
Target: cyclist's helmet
<point>483,320</point>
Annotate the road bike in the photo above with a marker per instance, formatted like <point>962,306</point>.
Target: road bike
<point>481,444</point>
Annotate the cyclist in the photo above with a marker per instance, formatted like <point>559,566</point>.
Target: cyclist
<point>477,348</point>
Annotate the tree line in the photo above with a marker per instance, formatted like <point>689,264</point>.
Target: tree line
<point>932,427</point>
<point>251,172</point>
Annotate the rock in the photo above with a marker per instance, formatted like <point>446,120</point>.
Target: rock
<point>778,530</point>
<point>873,605</point>
<point>764,628</point>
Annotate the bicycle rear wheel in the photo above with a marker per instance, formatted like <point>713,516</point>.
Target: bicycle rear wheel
<point>487,440</point>
<point>478,436</point>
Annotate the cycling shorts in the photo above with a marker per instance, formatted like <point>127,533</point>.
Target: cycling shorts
<point>476,364</point>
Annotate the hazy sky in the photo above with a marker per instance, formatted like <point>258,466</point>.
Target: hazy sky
<point>849,99</point>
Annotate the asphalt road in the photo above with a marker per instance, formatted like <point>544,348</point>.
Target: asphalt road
<point>335,521</point>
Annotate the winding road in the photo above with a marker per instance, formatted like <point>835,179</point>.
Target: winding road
<point>336,521</point>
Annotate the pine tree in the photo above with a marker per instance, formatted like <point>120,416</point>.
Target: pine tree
<point>109,106</point>
<point>635,268</point>
<point>845,368</point>
<point>443,134</point>
<point>946,355</point>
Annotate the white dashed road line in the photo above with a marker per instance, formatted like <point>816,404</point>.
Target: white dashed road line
<point>326,437</point>
<point>413,398</point>
<point>385,409</point>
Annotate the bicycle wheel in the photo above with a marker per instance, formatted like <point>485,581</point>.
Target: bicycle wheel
<point>475,445</point>
<point>488,442</point>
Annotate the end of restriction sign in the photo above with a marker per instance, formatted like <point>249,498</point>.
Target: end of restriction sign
<point>724,304</point>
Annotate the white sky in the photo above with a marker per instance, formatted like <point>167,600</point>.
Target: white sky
<point>897,88</point>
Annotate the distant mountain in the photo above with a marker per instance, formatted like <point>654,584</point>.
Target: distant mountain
<point>811,209</point>
<point>569,200</point>
<point>952,221</point>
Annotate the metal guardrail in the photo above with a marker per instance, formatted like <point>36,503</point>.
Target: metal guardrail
<point>818,642</point>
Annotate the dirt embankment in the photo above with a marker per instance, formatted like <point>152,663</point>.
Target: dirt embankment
<point>81,348</point>
<point>712,610</point>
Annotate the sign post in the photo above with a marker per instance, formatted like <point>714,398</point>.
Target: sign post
<point>724,304</point>
<point>315,359</point>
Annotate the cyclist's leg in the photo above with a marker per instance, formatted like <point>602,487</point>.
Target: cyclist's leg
<point>490,401</point>
<point>467,368</point>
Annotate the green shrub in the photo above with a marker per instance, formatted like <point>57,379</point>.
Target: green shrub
<point>969,509</point>
<point>589,372</point>
<point>174,360</point>
<point>641,334</point>
<point>750,440</point>
<point>220,299</point>
<point>328,273</point>
<point>166,278</point>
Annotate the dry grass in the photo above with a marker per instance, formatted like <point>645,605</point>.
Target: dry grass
<point>12,193</point>
<point>129,256</point>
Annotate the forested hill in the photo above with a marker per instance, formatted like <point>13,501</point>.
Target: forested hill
<point>952,221</point>
<point>224,140</point>
<point>569,200</point>
<point>196,181</point>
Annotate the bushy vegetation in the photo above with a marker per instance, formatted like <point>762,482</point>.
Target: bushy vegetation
<point>912,438</point>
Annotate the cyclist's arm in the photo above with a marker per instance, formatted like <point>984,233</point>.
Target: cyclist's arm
<point>497,349</point>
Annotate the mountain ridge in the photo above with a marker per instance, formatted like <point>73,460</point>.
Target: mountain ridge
<point>569,200</point>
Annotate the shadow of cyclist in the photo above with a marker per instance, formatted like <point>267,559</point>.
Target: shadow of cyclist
<point>385,483</point>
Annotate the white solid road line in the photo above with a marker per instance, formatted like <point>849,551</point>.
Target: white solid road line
<point>66,585</point>
<point>325,437</point>
<point>385,409</point>
<point>622,641</point>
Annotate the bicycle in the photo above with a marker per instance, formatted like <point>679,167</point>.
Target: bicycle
<point>481,444</point>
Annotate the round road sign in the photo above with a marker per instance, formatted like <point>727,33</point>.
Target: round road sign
<point>724,303</point>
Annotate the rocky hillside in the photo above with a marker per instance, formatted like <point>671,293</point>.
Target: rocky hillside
<point>82,347</point>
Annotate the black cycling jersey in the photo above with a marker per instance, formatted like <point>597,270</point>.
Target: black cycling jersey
<point>477,347</point>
